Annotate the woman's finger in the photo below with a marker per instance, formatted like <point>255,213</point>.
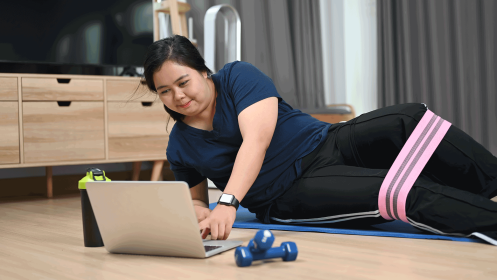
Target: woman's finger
<point>214,230</point>
<point>221,230</point>
<point>227,231</point>
<point>205,232</point>
<point>204,228</point>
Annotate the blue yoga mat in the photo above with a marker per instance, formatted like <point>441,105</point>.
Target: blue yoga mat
<point>245,219</point>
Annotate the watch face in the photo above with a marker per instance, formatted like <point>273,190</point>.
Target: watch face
<point>225,198</point>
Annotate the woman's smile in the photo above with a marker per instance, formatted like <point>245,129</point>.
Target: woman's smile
<point>186,105</point>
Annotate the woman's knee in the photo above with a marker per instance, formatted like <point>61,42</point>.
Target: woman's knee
<point>379,136</point>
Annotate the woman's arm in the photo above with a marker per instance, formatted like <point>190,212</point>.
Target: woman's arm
<point>200,197</point>
<point>257,124</point>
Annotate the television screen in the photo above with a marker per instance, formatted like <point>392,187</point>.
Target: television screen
<point>75,32</point>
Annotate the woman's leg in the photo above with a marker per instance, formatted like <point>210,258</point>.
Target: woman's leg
<point>374,140</point>
<point>446,210</point>
<point>330,195</point>
<point>338,195</point>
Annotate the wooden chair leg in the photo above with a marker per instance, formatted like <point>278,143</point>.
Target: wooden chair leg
<point>157,170</point>
<point>49,181</point>
<point>184,27</point>
<point>137,165</point>
<point>175,20</point>
<point>156,26</point>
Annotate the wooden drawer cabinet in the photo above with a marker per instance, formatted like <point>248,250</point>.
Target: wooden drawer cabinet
<point>50,120</point>
<point>62,89</point>
<point>54,133</point>
<point>118,90</point>
<point>137,129</point>
<point>8,88</point>
<point>9,129</point>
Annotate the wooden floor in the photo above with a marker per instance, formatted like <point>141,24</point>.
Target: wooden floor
<point>42,239</point>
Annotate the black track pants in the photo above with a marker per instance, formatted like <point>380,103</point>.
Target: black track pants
<point>341,179</point>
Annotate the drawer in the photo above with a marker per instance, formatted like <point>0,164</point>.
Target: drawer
<point>59,89</point>
<point>54,133</point>
<point>137,130</point>
<point>129,90</point>
<point>9,127</point>
<point>8,89</point>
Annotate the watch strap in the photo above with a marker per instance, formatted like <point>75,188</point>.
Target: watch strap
<point>234,202</point>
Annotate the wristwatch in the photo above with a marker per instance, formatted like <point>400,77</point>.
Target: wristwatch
<point>228,199</point>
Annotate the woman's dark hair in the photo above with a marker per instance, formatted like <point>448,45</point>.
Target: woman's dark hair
<point>177,49</point>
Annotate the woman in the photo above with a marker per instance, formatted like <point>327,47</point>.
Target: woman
<point>287,167</point>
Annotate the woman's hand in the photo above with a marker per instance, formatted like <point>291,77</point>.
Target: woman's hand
<point>201,212</point>
<point>219,222</point>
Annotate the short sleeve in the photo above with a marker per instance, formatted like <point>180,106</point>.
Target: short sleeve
<point>187,174</point>
<point>249,85</point>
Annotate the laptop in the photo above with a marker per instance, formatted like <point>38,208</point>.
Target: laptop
<point>150,218</point>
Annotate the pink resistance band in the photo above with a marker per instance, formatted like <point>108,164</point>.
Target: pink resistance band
<point>408,165</point>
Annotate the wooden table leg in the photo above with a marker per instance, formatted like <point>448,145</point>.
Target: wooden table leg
<point>157,170</point>
<point>137,165</point>
<point>49,182</point>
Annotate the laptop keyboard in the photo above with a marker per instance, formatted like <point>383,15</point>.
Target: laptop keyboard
<point>210,248</point>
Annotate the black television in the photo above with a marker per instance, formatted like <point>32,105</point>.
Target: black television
<point>94,37</point>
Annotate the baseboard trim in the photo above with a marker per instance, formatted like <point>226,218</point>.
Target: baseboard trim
<point>63,184</point>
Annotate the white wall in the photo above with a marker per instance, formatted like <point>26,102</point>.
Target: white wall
<point>332,29</point>
<point>348,29</point>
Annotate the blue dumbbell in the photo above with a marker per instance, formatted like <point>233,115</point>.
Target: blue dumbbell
<point>259,248</point>
<point>265,239</point>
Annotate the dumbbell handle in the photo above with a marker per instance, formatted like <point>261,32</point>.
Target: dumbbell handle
<point>275,252</point>
<point>251,246</point>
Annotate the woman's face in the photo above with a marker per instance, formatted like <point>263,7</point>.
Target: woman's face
<point>182,89</point>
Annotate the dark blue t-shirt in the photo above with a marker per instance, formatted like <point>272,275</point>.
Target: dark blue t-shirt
<point>196,154</point>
